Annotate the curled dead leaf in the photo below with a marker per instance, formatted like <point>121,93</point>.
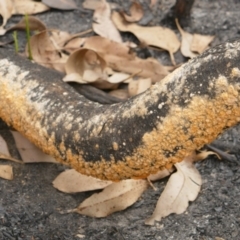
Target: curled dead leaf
<point>186,42</point>
<point>136,12</point>
<point>71,181</point>
<point>102,23</point>
<point>87,65</point>
<point>33,24</point>
<point>28,7</point>
<point>136,87</point>
<point>120,93</point>
<point>6,10</point>
<point>200,43</point>
<point>153,36</point>
<point>182,187</point>
<point>45,53</point>
<point>28,151</point>
<point>113,198</point>
<point>6,172</point>
<point>61,4</point>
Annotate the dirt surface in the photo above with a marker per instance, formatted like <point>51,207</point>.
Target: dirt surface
<point>30,207</point>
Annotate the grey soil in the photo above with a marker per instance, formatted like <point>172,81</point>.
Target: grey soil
<point>30,207</point>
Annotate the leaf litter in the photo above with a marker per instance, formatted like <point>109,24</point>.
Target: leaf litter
<point>106,61</point>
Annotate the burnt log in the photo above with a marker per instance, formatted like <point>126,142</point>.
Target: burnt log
<point>131,139</point>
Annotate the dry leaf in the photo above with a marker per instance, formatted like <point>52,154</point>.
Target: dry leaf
<point>182,187</point>
<point>119,93</point>
<point>33,24</point>
<point>136,87</point>
<point>204,154</point>
<point>119,58</point>
<point>152,3</point>
<point>45,53</point>
<point>200,43</point>
<point>102,23</point>
<point>6,9</point>
<point>186,42</point>
<point>61,4</point>
<point>59,38</point>
<point>29,152</point>
<point>160,175</point>
<point>92,4</point>
<point>6,172</point>
<point>3,147</point>
<point>113,198</point>
<point>136,12</point>
<point>153,36</point>
<point>28,7</point>
<point>72,181</point>
<point>4,153</point>
<point>87,65</point>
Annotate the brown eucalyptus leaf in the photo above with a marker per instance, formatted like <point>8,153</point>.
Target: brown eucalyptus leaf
<point>88,64</point>
<point>182,187</point>
<point>160,174</point>
<point>94,4</point>
<point>119,93</point>
<point>33,24</point>
<point>119,58</point>
<point>6,10</point>
<point>200,42</point>
<point>187,39</point>
<point>115,197</point>
<point>61,4</point>
<point>6,172</point>
<point>28,7</point>
<point>136,12</point>
<point>102,23</point>
<point>45,53</point>
<point>3,147</point>
<point>136,87</point>
<point>4,152</point>
<point>71,181</point>
<point>156,36</point>
<point>28,151</point>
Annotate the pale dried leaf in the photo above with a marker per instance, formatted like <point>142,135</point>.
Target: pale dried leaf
<point>74,77</point>
<point>182,187</point>
<point>61,4</point>
<point>119,57</point>
<point>117,77</point>
<point>154,36</point>
<point>4,152</point>
<point>136,87</point>
<point>88,64</point>
<point>3,147</point>
<point>71,181</point>
<point>29,152</point>
<point>119,93</point>
<point>160,175</point>
<point>6,172</point>
<point>102,23</point>
<point>59,38</point>
<point>33,24</point>
<point>204,154</point>
<point>186,42</point>
<point>6,9</point>
<point>92,4</point>
<point>28,7</point>
<point>44,52</point>
<point>152,3</point>
<point>113,198</point>
<point>200,42</point>
<point>136,12</point>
